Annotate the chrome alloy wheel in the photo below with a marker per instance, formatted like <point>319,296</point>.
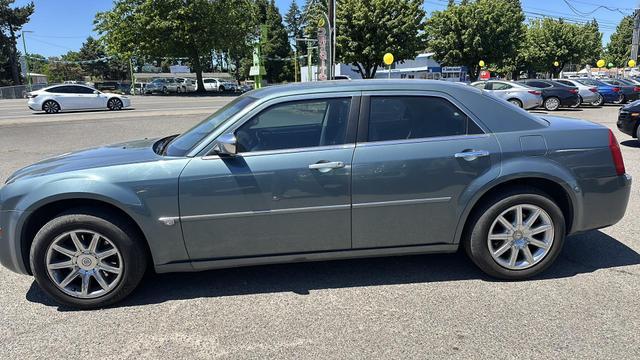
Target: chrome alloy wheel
<point>84,264</point>
<point>521,236</point>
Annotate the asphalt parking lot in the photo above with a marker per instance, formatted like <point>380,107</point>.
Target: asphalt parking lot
<point>586,306</point>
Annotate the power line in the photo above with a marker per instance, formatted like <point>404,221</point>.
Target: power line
<point>587,13</point>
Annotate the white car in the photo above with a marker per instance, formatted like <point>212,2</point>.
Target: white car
<point>213,84</point>
<point>57,98</point>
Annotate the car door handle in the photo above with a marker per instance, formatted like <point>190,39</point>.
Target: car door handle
<point>471,155</point>
<point>326,166</point>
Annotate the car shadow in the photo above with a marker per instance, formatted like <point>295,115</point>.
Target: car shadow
<point>631,143</point>
<point>583,253</point>
<point>42,113</point>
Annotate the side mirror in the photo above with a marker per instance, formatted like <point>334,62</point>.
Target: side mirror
<point>96,92</point>
<point>226,145</point>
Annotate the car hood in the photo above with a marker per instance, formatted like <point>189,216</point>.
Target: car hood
<point>104,156</point>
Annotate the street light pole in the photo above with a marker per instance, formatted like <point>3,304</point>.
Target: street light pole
<point>26,58</point>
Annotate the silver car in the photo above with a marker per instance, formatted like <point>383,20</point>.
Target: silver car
<point>587,94</point>
<point>518,94</point>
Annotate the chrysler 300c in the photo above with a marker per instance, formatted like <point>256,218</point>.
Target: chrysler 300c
<point>308,172</point>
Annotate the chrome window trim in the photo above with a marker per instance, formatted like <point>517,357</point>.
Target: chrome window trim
<point>422,140</point>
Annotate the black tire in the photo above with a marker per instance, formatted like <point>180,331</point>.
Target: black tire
<point>165,91</point>
<point>599,101</point>
<point>51,107</point>
<point>114,104</point>
<point>551,103</point>
<point>516,102</point>
<point>178,90</point>
<point>119,232</point>
<point>222,89</point>
<point>577,105</point>
<point>476,235</point>
<point>621,100</point>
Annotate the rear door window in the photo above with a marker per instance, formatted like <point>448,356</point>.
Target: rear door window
<point>415,117</point>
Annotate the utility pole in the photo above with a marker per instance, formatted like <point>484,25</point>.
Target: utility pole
<point>636,34</point>
<point>331,14</point>
<point>26,58</point>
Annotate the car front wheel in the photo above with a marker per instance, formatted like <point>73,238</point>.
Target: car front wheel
<point>114,104</point>
<point>552,103</point>
<point>85,259</point>
<point>516,234</point>
<point>50,107</point>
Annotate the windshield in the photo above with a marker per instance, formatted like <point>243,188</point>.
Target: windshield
<point>181,145</point>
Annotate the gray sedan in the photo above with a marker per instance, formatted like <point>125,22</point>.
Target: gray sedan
<point>587,94</point>
<point>315,171</point>
<point>518,94</point>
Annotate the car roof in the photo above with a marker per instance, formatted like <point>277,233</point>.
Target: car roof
<point>359,85</point>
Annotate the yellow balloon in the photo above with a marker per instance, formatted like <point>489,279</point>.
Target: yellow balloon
<point>600,63</point>
<point>632,63</point>
<point>556,64</point>
<point>481,63</point>
<point>388,58</point>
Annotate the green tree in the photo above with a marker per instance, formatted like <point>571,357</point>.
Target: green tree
<point>465,33</point>
<point>550,40</point>
<point>369,29</point>
<point>619,47</point>
<point>295,26</point>
<point>11,21</point>
<point>240,38</point>
<point>165,28</point>
<point>64,68</point>
<point>276,49</point>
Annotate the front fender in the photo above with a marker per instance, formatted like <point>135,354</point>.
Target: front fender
<point>143,201</point>
<point>536,167</point>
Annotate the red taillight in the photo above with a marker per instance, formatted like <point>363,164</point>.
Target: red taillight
<point>573,91</point>
<point>616,89</point>
<point>535,92</point>
<point>636,88</point>
<point>618,162</point>
<point>593,90</point>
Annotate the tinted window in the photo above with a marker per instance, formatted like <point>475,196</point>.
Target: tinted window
<point>414,117</point>
<point>500,86</point>
<point>81,90</point>
<point>564,82</point>
<point>57,90</point>
<point>538,84</point>
<point>298,124</point>
<point>588,82</point>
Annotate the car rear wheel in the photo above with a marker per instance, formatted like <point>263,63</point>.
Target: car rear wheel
<point>599,101</point>
<point>87,260</point>
<point>516,235</point>
<point>165,91</point>
<point>114,104</point>
<point>50,107</point>
<point>552,103</point>
<point>576,105</point>
<point>222,89</point>
<point>516,102</point>
<point>621,100</point>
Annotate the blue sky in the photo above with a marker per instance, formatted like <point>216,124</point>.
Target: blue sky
<point>62,25</point>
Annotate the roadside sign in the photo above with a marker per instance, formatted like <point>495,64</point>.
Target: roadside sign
<point>485,75</point>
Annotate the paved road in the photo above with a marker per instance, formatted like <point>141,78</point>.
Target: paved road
<point>431,306</point>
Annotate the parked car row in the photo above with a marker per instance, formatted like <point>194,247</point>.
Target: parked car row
<point>554,94</point>
<point>186,85</point>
